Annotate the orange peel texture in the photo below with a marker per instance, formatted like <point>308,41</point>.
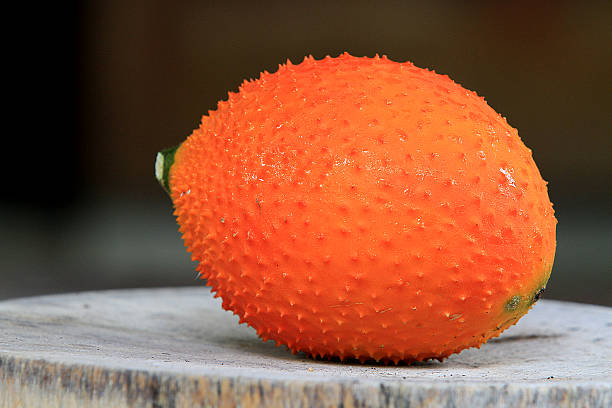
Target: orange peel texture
<point>366,209</point>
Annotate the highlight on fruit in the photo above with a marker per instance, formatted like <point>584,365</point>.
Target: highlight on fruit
<point>361,208</point>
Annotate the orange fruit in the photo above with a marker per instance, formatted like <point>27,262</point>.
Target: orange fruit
<point>363,208</point>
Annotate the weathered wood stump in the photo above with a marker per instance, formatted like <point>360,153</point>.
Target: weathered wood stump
<point>178,348</point>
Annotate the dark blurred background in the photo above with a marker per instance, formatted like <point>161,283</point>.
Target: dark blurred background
<point>96,88</point>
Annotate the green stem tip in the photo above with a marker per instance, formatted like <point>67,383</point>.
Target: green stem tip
<point>163,162</point>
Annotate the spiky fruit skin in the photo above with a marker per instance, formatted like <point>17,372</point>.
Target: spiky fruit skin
<point>363,208</point>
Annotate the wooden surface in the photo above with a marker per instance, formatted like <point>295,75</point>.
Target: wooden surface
<point>177,347</point>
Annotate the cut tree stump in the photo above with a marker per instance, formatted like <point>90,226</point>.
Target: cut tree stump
<point>176,347</point>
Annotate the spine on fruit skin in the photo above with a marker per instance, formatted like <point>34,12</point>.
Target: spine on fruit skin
<point>163,162</point>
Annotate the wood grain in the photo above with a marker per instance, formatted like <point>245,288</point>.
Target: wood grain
<point>178,348</point>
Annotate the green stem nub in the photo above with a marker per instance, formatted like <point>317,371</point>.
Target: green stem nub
<point>163,162</point>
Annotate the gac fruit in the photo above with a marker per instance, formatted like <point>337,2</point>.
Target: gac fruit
<point>365,209</point>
